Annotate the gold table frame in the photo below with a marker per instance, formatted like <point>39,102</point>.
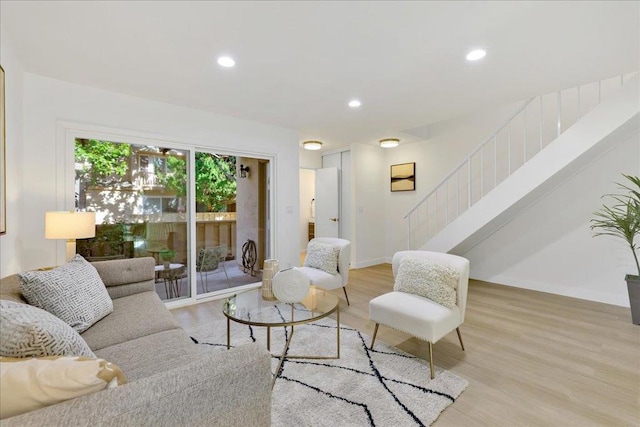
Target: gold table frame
<point>292,323</point>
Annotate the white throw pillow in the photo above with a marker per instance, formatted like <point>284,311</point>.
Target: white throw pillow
<point>33,383</point>
<point>429,279</point>
<point>27,331</point>
<point>74,292</point>
<point>323,256</point>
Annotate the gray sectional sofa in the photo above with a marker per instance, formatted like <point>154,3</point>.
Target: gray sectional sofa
<point>171,382</point>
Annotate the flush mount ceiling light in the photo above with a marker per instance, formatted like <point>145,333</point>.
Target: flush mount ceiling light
<point>226,61</point>
<point>389,142</point>
<point>354,103</point>
<point>312,145</point>
<point>476,54</point>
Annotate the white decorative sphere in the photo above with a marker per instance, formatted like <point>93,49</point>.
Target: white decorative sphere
<point>290,285</point>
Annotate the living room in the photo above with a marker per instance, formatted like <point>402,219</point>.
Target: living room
<point>63,79</point>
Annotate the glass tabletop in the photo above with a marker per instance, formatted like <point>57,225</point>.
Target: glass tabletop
<point>250,308</point>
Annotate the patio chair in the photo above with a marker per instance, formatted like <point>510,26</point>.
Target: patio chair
<point>210,260</point>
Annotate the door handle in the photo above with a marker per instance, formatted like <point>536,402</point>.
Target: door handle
<point>334,219</point>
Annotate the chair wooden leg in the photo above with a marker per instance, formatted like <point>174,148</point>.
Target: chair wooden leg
<point>460,338</point>
<point>375,332</point>
<point>344,288</point>
<point>433,373</point>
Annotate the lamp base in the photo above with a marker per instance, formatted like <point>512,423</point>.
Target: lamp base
<point>71,249</point>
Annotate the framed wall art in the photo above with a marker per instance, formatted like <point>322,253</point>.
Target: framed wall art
<point>3,160</point>
<point>403,177</point>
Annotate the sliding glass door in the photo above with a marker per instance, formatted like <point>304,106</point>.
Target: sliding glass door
<point>141,196</point>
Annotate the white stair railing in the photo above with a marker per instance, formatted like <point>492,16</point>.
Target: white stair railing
<point>532,127</point>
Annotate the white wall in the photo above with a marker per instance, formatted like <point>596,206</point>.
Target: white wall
<point>550,247</point>
<point>307,193</point>
<point>11,242</point>
<point>48,101</point>
<point>368,178</point>
<point>310,159</point>
<point>449,143</point>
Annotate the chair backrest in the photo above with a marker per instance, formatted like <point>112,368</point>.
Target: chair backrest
<point>211,257</point>
<point>460,264</point>
<point>344,256</point>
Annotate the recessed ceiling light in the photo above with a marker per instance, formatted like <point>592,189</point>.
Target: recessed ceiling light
<point>354,103</point>
<point>225,61</point>
<point>476,54</point>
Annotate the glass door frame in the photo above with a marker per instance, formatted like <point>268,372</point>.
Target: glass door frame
<point>68,132</point>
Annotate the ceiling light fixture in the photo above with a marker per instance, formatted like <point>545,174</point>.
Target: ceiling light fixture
<point>354,103</point>
<point>476,54</point>
<point>389,142</point>
<point>312,145</point>
<point>225,61</point>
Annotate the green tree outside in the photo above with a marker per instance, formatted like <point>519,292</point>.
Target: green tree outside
<point>215,178</point>
<point>102,160</point>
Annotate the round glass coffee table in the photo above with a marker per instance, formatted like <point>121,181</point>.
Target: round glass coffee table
<point>250,308</point>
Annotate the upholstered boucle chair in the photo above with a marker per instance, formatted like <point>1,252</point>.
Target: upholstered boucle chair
<point>327,263</point>
<point>422,277</point>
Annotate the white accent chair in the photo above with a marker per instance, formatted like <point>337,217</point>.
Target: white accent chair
<point>327,281</point>
<point>420,316</point>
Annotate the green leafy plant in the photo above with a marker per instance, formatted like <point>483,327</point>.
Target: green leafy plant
<point>102,160</point>
<point>215,178</point>
<point>622,219</point>
<point>167,255</point>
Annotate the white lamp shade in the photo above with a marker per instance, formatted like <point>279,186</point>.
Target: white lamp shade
<point>70,225</point>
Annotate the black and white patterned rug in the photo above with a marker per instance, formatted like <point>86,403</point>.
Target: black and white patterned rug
<point>380,387</point>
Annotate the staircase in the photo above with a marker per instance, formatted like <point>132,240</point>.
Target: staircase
<point>546,140</point>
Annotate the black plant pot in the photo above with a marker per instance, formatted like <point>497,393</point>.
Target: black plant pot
<point>633,286</point>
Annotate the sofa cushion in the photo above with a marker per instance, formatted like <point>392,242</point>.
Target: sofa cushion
<point>151,354</point>
<point>428,279</point>
<point>133,317</point>
<point>27,384</point>
<point>27,331</point>
<point>10,289</point>
<point>323,256</point>
<point>74,292</point>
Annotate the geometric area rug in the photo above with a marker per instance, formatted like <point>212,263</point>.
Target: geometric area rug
<point>380,387</point>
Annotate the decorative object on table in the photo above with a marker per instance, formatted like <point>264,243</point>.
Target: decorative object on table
<point>167,255</point>
<point>622,220</point>
<point>70,225</point>
<point>290,286</point>
<point>249,257</point>
<point>271,268</point>
<point>388,382</point>
<point>403,177</point>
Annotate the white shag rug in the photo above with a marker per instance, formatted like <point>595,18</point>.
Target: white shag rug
<point>380,387</point>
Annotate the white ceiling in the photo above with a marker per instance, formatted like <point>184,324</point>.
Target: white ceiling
<point>299,63</point>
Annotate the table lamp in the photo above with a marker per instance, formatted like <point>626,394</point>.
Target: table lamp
<point>70,225</point>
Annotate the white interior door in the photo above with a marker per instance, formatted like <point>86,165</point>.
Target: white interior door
<point>327,203</point>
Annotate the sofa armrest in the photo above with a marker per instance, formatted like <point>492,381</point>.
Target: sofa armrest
<point>224,389</point>
<point>128,276</point>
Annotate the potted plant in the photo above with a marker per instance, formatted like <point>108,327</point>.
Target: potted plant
<point>622,219</point>
<point>167,255</point>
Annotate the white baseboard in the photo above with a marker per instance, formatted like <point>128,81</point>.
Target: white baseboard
<point>368,263</point>
<point>620,299</point>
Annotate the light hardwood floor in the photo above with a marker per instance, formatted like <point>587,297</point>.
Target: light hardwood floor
<point>531,358</point>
